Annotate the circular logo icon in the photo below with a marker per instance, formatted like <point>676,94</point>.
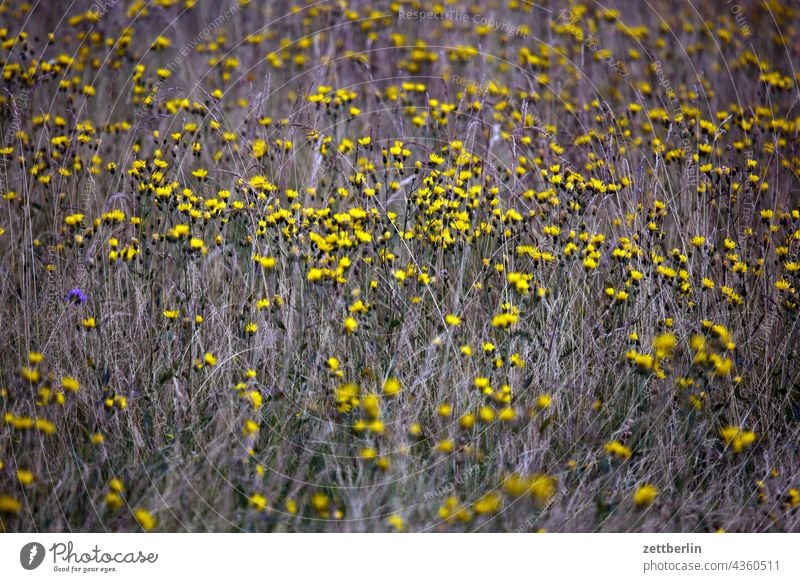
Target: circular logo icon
<point>31,555</point>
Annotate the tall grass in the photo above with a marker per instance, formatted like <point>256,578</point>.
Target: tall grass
<point>563,196</point>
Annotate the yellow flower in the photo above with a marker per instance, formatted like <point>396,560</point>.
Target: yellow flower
<point>9,505</point>
<point>737,439</point>
<point>435,159</point>
<point>482,383</point>
<point>350,325</point>
<point>210,359</point>
<point>45,425</point>
<point>255,398</point>
<point>617,449</point>
<point>392,386</point>
<point>30,375</point>
<point>664,345</point>
<point>488,503</point>
<point>321,504</point>
<point>645,362</point>
<point>721,332</point>
<point>372,406</point>
<point>445,446</point>
<point>396,522</point>
<point>291,507</point>
<point>507,414</point>
<point>543,401</point>
<point>70,383</point>
<point>25,477</point>
<point>258,501</point>
<point>467,421</point>
<point>347,397</point>
<point>267,263</point>
<point>114,500</point>
<point>452,320</point>
<point>644,495</point>
<point>145,518</point>
<point>542,488</point>
<point>452,509</point>
<point>722,366</point>
<point>486,414</point>
<point>504,320</point>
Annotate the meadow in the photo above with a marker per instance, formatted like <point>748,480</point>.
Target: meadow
<point>352,265</point>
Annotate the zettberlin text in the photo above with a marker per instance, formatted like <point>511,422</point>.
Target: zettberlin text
<point>686,548</point>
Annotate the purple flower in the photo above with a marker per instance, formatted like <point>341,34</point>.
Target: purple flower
<point>76,296</point>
